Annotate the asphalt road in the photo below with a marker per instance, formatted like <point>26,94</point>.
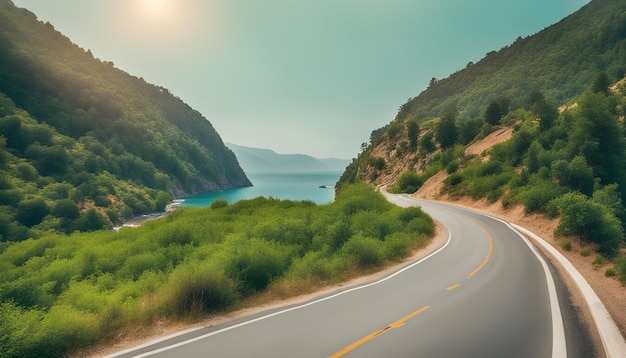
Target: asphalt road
<point>484,294</point>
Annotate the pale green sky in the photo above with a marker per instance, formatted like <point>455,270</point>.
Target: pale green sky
<point>309,76</point>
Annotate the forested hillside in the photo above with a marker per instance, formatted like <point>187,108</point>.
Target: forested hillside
<point>84,144</point>
<point>559,62</point>
<point>559,92</point>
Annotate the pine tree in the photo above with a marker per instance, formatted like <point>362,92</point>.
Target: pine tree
<point>446,131</point>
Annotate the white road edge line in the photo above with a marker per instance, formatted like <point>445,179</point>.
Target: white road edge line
<point>559,345</point>
<point>146,354</point>
<point>612,339</point>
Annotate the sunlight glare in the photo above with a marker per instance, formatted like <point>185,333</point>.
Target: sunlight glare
<point>160,24</point>
<point>156,7</point>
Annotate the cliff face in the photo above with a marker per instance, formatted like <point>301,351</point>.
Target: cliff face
<point>145,126</point>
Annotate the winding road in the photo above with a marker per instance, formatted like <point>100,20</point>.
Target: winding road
<point>485,293</point>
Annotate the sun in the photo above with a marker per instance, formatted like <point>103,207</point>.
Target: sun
<point>159,24</point>
<point>156,7</point>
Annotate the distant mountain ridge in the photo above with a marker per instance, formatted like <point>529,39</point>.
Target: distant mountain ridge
<point>257,159</point>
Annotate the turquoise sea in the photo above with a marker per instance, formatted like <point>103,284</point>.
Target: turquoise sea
<point>280,185</point>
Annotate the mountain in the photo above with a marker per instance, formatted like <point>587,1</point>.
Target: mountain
<point>78,133</point>
<point>553,102</point>
<point>555,66</point>
<point>559,61</point>
<point>255,159</point>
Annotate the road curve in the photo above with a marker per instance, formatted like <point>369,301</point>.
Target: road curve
<point>483,294</point>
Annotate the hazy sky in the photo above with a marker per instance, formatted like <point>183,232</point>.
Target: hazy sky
<point>296,76</point>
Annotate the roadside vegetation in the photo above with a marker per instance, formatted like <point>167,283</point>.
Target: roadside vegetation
<point>60,293</point>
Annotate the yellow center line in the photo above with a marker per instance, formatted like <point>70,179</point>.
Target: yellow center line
<point>396,324</point>
<point>450,288</point>
<point>480,267</point>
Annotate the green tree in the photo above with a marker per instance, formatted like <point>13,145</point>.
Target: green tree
<point>598,137</point>
<point>426,142</point>
<point>32,211</point>
<point>92,220</point>
<point>533,97</point>
<point>575,174</point>
<point>601,83</point>
<point>446,131</point>
<point>413,131</point>
<point>469,129</point>
<point>493,113</point>
<point>66,208</point>
<point>546,114</point>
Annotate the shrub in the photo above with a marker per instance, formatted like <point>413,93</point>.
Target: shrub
<point>491,167</point>
<point>598,261</point>
<point>409,182</point>
<point>620,268</point>
<point>318,265</point>
<point>398,244</point>
<point>538,196</point>
<point>219,203</point>
<point>567,246</point>
<point>363,251</point>
<point>453,166</point>
<point>411,213</point>
<point>454,179</point>
<point>372,224</point>
<point>610,272</point>
<point>589,221</point>
<point>198,290</point>
<point>256,264</point>
<point>377,163</point>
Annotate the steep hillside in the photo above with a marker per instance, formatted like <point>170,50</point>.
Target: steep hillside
<point>95,136</point>
<point>255,159</point>
<point>64,86</point>
<point>550,68</point>
<point>559,161</point>
<point>559,62</point>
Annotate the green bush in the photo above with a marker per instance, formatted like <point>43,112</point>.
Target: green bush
<point>620,268</point>
<point>363,252</point>
<point>610,272</point>
<point>538,196</point>
<point>253,264</point>
<point>409,182</point>
<point>453,166</point>
<point>199,290</point>
<point>219,203</point>
<point>598,261</point>
<point>589,221</point>
<point>454,179</point>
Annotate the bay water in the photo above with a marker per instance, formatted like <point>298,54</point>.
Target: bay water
<point>314,186</point>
